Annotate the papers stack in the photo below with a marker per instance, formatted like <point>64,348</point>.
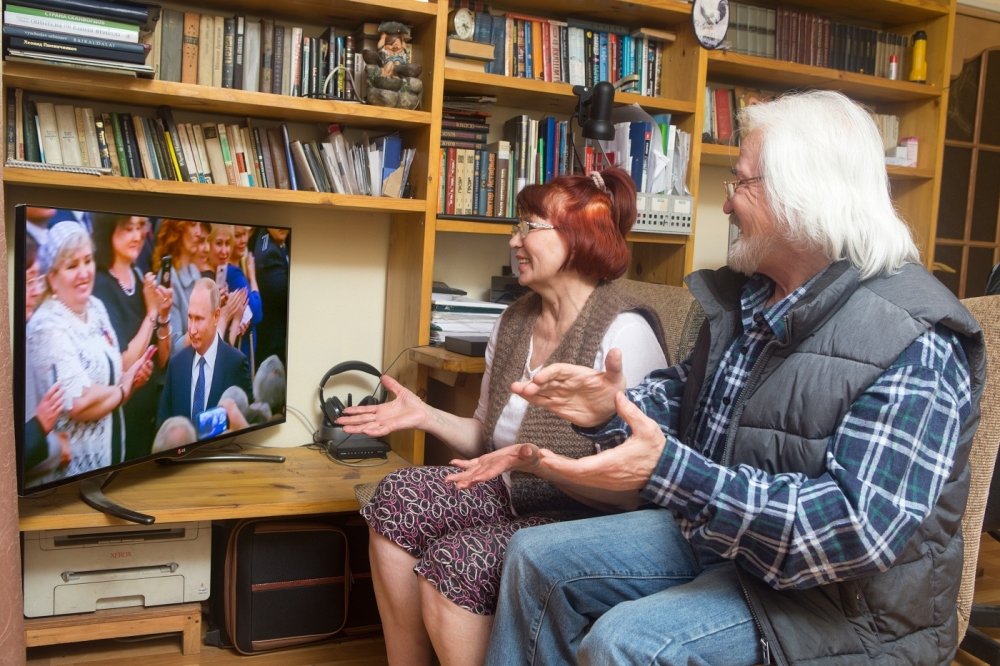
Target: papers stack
<point>461,315</point>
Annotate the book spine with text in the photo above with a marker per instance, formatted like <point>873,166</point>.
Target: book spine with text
<point>88,26</point>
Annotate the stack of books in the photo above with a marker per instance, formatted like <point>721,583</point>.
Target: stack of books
<point>90,34</point>
<point>454,315</point>
<point>467,54</point>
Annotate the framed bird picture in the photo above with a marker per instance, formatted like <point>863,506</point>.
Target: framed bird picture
<point>710,20</point>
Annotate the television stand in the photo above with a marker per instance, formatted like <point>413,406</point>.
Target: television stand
<point>92,492</point>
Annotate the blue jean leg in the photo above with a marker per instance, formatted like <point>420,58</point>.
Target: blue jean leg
<point>700,623</point>
<point>559,579</point>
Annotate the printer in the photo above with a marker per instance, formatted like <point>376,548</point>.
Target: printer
<point>83,570</point>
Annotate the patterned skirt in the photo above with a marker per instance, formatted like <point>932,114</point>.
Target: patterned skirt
<point>459,537</point>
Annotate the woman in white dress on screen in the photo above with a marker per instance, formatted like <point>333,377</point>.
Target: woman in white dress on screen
<point>70,340</point>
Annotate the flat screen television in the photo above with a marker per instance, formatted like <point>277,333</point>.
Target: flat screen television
<point>140,338</point>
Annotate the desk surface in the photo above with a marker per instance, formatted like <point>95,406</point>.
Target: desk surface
<point>439,358</point>
<point>308,482</point>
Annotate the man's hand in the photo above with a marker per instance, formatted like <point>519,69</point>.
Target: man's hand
<point>628,466</point>
<point>580,395</point>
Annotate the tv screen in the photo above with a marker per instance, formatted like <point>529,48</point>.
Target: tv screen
<point>139,337</point>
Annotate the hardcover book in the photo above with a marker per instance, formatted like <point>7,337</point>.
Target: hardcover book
<point>171,45</point>
<point>88,26</point>
<point>189,49</point>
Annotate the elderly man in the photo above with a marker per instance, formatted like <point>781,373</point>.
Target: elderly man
<point>808,461</point>
<point>199,374</point>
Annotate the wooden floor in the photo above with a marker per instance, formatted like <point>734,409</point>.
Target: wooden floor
<point>166,650</point>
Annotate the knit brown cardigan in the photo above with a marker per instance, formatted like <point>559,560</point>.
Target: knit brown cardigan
<point>529,494</point>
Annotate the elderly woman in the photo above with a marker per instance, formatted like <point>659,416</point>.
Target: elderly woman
<point>139,310</point>
<point>70,340</point>
<point>232,323</point>
<point>570,247</point>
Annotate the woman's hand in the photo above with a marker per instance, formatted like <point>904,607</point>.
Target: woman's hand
<point>520,457</point>
<point>405,411</point>
<point>49,408</point>
<point>625,468</point>
<point>251,271</point>
<point>232,309</point>
<point>583,396</point>
<point>164,299</point>
<point>138,373</point>
<point>149,294</point>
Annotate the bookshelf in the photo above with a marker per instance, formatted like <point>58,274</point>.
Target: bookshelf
<point>921,107</point>
<point>656,258</point>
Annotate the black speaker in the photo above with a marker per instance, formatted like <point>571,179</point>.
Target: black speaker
<point>333,406</point>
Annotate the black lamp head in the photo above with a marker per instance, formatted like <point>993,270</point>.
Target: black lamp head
<point>593,110</point>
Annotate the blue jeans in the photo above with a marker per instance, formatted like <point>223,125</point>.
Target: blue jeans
<point>621,589</point>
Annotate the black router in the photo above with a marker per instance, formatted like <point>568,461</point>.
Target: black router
<point>356,447</point>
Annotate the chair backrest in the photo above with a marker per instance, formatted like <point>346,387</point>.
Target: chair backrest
<point>680,314</point>
<point>982,457</point>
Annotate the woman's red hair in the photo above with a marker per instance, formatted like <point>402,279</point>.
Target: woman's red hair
<point>593,221</point>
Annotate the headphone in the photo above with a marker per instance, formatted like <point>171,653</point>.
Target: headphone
<point>333,407</point>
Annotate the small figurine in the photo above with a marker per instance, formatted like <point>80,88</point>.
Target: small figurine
<point>392,77</point>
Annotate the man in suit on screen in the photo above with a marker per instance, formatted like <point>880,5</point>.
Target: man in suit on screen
<point>198,374</point>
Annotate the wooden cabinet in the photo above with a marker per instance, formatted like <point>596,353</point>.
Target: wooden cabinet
<point>968,237</point>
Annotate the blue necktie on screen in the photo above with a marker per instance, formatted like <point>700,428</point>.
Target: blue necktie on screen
<point>199,390</point>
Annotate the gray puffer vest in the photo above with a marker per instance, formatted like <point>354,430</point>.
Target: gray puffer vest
<point>797,394</point>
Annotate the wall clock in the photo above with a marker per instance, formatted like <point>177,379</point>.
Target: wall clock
<point>710,20</point>
<point>462,23</point>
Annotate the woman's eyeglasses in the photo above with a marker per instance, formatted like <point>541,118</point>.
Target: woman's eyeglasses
<point>525,227</point>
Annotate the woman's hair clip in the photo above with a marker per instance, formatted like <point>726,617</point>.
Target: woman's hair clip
<point>598,181</point>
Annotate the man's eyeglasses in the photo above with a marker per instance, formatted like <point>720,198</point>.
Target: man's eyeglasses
<point>733,185</point>
<point>524,227</point>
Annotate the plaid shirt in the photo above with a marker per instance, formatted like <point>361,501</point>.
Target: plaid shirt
<point>886,463</point>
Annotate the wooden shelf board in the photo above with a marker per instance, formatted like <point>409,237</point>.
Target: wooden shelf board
<point>544,96</point>
<point>498,228</point>
<point>262,195</point>
<point>726,156</point>
<point>883,12</point>
<point>771,74</point>
<point>634,13</point>
<point>117,623</point>
<point>318,12</point>
<point>308,482</point>
<point>713,154</point>
<point>439,358</point>
<point>658,239</point>
<point>99,86</point>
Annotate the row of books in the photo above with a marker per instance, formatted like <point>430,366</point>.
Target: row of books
<point>242,154</point>
<point>259,55</point>
<point>482,178</point>
<point>573,51</point>
<point>97,35</point>
<point>807,38</point>
<point>724,103</point>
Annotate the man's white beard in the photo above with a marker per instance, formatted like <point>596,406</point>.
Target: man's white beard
<point>746,253</point>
